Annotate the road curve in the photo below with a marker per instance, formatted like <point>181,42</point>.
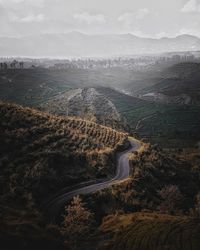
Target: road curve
<point>55,205</point>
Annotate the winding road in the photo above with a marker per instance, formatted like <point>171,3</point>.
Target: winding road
<point>55,205</point>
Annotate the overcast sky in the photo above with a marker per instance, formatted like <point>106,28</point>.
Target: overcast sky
<point>147,18</point>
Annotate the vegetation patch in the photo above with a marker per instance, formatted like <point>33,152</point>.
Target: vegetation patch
<point>153,231</point>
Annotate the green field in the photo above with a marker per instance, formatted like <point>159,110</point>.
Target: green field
<point>168,125</point>
<point>32,86</point>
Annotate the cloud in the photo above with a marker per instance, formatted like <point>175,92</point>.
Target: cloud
<point>129,18</point>
<point>89,18</point>
<point>142,13</point>
<point>37,3</point>
<point>22,11</point>
<point>191,6</point>
<point>29,18</point>
<point>143,18</point>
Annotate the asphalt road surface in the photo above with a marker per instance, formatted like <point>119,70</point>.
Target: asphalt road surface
<point>55,205</point>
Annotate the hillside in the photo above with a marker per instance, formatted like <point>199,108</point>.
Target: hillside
<point>33,86</point>
<point>180,85</point>
<point>40,154</point>
<point>169,125</point>
<point>156,208</point>
<point>185,70</point>
<point>86,103</point>
<point>36,85</point>
<point>162,181</point>
<point>44,146</point>
<point>152,231</point>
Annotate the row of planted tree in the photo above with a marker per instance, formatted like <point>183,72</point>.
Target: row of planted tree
<point>12,65</point>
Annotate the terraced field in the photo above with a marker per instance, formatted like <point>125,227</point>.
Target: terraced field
<point>161,234</point>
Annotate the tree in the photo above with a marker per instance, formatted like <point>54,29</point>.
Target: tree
<point>172,199</point>
<point>21,65</point>
<point>195,212</point>
<point>77,222</point>
<point>198,202</point>
<point>5,66</point>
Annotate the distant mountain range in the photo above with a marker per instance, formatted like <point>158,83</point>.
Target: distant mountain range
<point>75,44</point>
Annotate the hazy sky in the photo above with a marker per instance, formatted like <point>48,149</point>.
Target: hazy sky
<point>152,18</point>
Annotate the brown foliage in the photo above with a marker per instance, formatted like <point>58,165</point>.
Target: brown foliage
<point>77,222</point>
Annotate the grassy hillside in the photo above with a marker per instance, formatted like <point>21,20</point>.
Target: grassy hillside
<point>168,125</point>
<point>33,86</point>
<point>132,108</point>
<point>179,79</point>
<point>43,147</point>
<point>152,231</point>
<point>40,154</point>
<point>158,207</point>
<point>160,181</point>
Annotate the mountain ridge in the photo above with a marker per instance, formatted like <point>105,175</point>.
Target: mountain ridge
<point>76,44</point>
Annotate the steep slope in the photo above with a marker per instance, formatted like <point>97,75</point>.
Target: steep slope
<point>40,154</point>
<point>86,103</point>
<point>40,148</point>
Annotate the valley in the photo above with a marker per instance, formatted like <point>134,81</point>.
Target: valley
<point>116,97</point>
<point>99,125</point>
<point>100,154</point>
